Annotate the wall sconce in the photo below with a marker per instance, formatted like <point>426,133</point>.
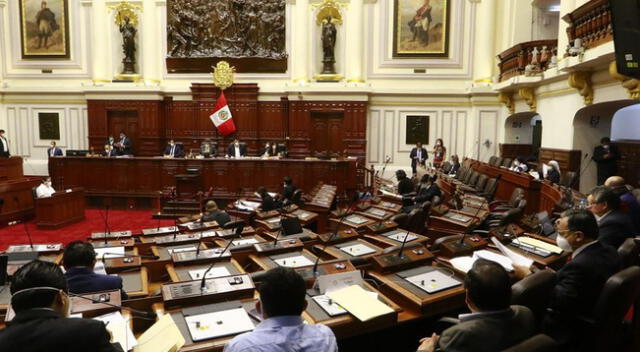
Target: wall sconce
<point>487,143</point>
<point>594,121</point>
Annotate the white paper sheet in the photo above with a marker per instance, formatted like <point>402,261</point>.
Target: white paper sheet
<point>356,219</point>
<point>433,281</point>
<point>506,263</point>
<point>400,236</point>
<point>216,271</point>
<point>357,250</point>
<point>119,329</point>
<point>244,241</point>
<point>218,324</point>
<point>516,258</point>
<point>294,261</point>
<point>114,252</point>
<point>329,306</point>
<point>180,250</point>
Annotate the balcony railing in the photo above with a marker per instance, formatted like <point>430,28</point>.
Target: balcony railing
<point>589,26</point>
<point>528,58</point>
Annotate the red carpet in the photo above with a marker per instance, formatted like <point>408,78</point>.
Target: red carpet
<point>134,220</point>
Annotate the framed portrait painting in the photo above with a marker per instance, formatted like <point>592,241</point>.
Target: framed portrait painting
<point>44,29</point>
<point>421,28</point>
<point>417,129</point>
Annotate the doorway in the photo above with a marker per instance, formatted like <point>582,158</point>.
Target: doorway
<point>327,132</point>
<point>123,121</point>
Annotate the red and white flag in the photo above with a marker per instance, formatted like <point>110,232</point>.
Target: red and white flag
<point>221,117</point>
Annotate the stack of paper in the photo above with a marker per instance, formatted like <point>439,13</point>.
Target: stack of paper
<point>119,329</point>
<point>535,243</point>
<point>358,302</point>
<point>507,260</point>
<point>163,336</point>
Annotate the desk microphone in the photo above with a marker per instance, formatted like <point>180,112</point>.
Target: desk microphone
<point>280,213</point>
<point>404,241</point>
<point>103,298</point>
<point>461,244</point>
<point>26,228</point>
<point>335,233</point>
<point>106,224</point>
<point>203,283</point>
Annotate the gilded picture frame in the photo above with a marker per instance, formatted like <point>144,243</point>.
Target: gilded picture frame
<point>421,28</point>
<point>44,29</point>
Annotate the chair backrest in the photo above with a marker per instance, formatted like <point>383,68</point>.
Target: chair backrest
<point>446,167</point>
<point>436,200</point>
<point>537,343</point>
<point>401,219</point>
<point>296,198</point>
<point>416,222</point>
<point>233,224</point>
<point>492,160</point>
<point>482,181</point>
<point>506,162</point>
<point>619,293</point>
<point>473,178</point>
<point>534,292</point>
<point>512,215</point>
<point>438,243</point>
<point>516,196</point>
<point>629,252</point>
<point>490,188</point>
<point>499,161</point>
<point>568,178</point>
<point>34,193</point>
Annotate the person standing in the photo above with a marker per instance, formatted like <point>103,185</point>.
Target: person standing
<point>54,150</point>
<point>418,155</point>
<point>439,153</point>
<point>4,146</point>
<point>46,22</point>
<point>124,145</point>
<point>605,155</point>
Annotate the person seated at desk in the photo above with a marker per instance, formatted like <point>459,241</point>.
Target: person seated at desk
<point>124,145</point>
<point>79,259</point>
<point>519,165</point>
<point>45,190</point>
<point>580,281</point>
<point>426,191</point>
<point>270,149</point>
<point>54,150</point>
<point>493,324</point>
<point>212,213</point>
<point>615,226</point>
<point>553,173</point>
<point>268,203</point>
<point>108,151</point>
<point>236,150</point>
<point>173,150</point>
<point>288,189</point>
<point>455,164</point>
<point>42,305</point>
<point>282,301</point>
<point>208,149</point>
<point>628,202</point>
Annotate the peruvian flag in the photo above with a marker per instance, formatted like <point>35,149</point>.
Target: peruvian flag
<point>221,117</point>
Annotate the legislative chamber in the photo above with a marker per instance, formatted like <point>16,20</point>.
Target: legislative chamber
<point>320,175</point>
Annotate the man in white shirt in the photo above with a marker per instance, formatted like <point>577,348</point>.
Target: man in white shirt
<point>45,190</point>
<point>4,146</point>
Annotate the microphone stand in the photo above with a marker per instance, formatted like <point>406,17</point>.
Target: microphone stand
<point>404,241</point>
<point>461,245</point>
<point>203,283</point>
<point>335,233</point>
<point>106,225</point>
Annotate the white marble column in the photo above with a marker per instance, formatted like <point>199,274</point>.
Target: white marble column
<point>484,53</point>
<point>301,43</point>
<point>4,27</point>
<point>150,40</point>
<point>99,51</point>
<point>355,42</point>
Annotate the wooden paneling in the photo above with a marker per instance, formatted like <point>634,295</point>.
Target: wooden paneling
<point>629,162</point>
<point>569,160</point>
<point>513,150</point>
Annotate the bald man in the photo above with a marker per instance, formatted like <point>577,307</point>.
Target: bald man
<point>628,202</point>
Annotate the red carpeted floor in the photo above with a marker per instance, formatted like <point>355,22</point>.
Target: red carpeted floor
<point>134,220</point>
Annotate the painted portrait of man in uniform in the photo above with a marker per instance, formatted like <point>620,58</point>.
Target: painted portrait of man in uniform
<point>44,29</point>
<point>421,28</point>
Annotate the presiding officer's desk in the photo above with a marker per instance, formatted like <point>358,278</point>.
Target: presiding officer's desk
<point>143,177</point>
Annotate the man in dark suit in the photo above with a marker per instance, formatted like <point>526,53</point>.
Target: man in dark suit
<point>42,305</point>
<point>493,324</point>
<point>418,155</point>
<point>108,151</point>
<point>268,203</point>
<point>236,150</point>
<point>605,156</point>
<point>54,150</point>
<point>173,150</point>
<point>124,145</point>
<point>614,225</point>
<point>628,202</point>
<point>213,213</point>
<point>4,146</point>
<point>580,281</point>
<point>428,189</point>
<point>288,189</point>
<point>78,259</point>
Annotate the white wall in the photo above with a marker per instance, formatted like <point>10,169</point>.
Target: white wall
<point>626,124</point>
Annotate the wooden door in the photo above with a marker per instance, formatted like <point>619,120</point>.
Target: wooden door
<point>126,121</point>
<point>327,132</point>
<point>319,136</point>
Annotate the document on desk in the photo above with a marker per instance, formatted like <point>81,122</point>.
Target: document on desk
<point>357,250</point>
<point>516,258</point>
<point>358,302</point>
<point>163,336</point>
<point>293,261</point>
<point>216,271</point>
<point>217,324</point>
<point>113,252</point>
<point>119,329</point>
<point>539,244</point>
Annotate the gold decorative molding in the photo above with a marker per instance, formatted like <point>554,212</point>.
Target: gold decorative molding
<point>329,7</point>
<point>355,80</point>
<point>581,80</point>
<point>125,9</point>
<point>529,96</point>
<point>507,99</point>
<point>223,75</point>
<point>632,85</point>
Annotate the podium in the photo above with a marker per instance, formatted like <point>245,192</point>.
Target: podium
<point>61,209</point>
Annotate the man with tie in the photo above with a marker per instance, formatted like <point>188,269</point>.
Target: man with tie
<point>173,150</point>
<point>418,155</point>
<point>108,151</point>
<point>54,150</point>
<point>236,150</point>
<point>124,145</point>
<point>4,146</point>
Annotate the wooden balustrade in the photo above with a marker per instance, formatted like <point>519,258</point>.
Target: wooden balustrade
<point>591,23</point>
<point>527,58</point>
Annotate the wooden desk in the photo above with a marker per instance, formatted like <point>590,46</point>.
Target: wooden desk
<point>135,283</point>
<point>61,209</point>
<point>181,273</point>
<point>268,262</point>
<point>16,196</point>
